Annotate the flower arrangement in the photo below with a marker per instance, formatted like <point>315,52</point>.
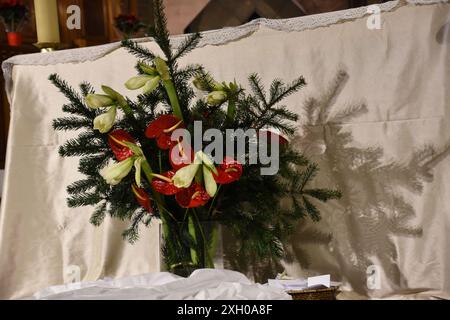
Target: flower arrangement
<point>128,24</point>
<point>13,15</point>
<point>140,163</point>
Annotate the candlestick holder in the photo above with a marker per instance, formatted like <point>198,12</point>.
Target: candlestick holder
<point>47,46</point>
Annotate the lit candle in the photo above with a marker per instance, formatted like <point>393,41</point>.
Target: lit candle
<point>47,21</point>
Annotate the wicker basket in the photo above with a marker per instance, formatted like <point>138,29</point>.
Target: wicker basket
<point>315,294</point>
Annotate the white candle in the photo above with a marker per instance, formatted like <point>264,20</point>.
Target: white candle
<point>47,25</point>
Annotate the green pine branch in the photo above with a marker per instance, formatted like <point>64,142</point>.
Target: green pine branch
<point>159,31</point>
<point>71,123</point>
<point>99,214</point>
<point>188,44</point>
<point>84,199</point>
<point>82,186</point>
<point>137,50</point>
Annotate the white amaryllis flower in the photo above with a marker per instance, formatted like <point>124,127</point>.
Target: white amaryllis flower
<point>216,97</point>
<point>151,85</point>
<point>115,172</point>
<point>162,68</point>
<point>184,177</point>
<point>138,167</point>
<point>210,182</point>
<point>147,82</point>
<point>105,121</point>
<point>95,101</point>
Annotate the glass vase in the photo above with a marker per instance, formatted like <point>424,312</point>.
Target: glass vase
<point>191,245</point>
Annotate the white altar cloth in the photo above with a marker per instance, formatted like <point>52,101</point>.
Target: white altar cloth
<point>206,284</point>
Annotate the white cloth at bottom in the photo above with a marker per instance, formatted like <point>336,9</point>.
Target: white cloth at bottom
<point>205,284</point>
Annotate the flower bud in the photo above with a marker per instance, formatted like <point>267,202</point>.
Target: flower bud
<point>138,82</point>
<point>218,86</point>
<point>151,85</point>
<point>138,167</point>
<point>210,182</point>
<point>184,177</point>
<point>147,69</point>
<point>113,94</point>
<point>95,101</point>
<point>105,121</point>
<point>162,68</point>
<point>216,97</point>
<point>114,173</point>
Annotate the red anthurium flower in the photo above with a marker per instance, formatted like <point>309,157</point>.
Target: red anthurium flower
<point>273,136</point>
<point>193,197</point>
<point>229,171</point>
<point>120,151</point>
<point>142,198</point>
<point>181,155</point>
<point>161,129</point>
<point>163,184</point>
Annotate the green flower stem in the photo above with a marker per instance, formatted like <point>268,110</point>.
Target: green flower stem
<point>208,261</point>
<point>156,196</point>
<point>213,247</point>
<point>127,110</point>
<point>231,112</point>
<point>199,176</point>
<point>171,92</point>
<point>193,233</point>
<point>185,215</point>
<point>130,114</point>
<point>161,206</point>
<point>214,200</point>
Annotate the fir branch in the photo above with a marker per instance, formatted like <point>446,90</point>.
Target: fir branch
<point>71,123</point>
<point>81,146</point>
<point>160,31</point>
<point>75,99</point>
<point>311,210</point>
<point>82,186</point>
<point>275,89</point>
<point>264,114</point>
<point>188,44</point>
<point>137,50</point>
<point>99,214</point>
<point>132,233</point>
<point>84,199</point>
<point>258,88</point>
<point>76,110</point>
<point>283,91</point>
<point>65,89</point>
<point>290,156</point>
<point>91,163</point>
<point>86,88</point>
<point>205,79</point>
<point>306,176</point>
<point>323,195</point>
<point>188,72</point>
<point>298,210</point>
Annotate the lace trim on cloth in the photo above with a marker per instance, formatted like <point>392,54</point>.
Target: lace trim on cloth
<point>215,37</point>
